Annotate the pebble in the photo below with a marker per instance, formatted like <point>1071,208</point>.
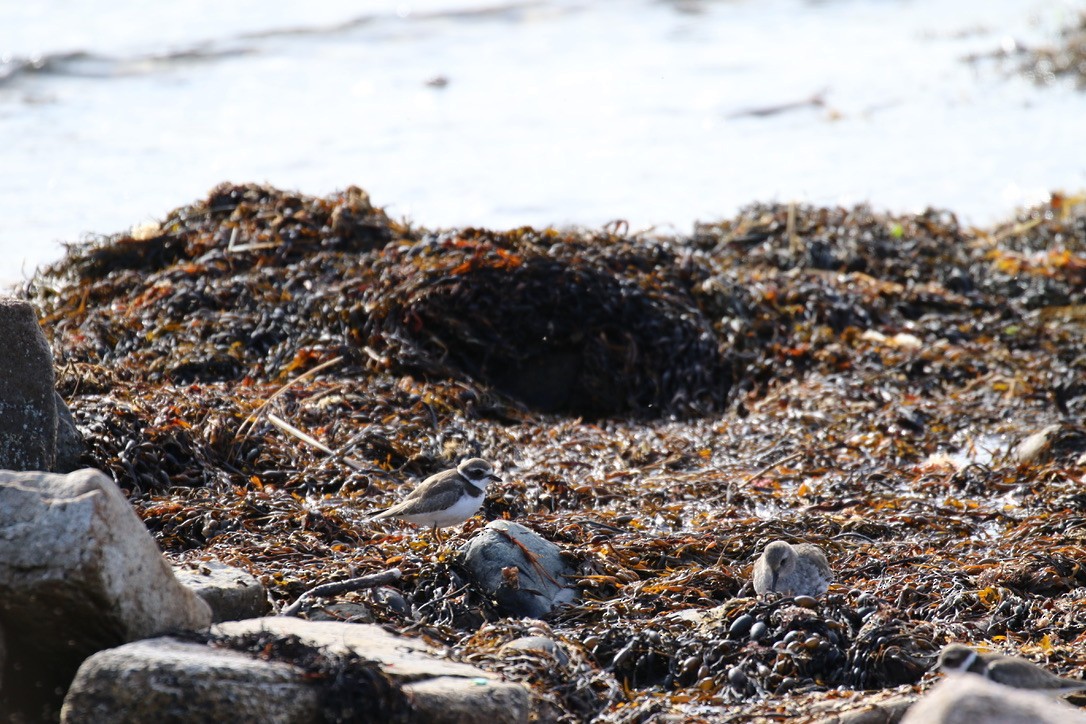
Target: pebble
<point>688,666</point>
<point>392,598</point>
<point>737,677</point>
<point>758,631</point>
<point>741,626</point>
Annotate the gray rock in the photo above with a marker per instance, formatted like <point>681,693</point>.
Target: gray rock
<point>70,444</point>
<point>166,680</point>
<point>449,700</point>
<point>404,658</point>
<point>232,594</point>
<point>968,698</point>
<point>78,573</point>
<point>442,691</point>
<point>28,408</point>
<point>496,559</point>
<point>390,597</point>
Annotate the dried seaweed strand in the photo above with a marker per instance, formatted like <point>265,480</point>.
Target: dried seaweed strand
<point>763,471</point>
<point>252,418</point>
<point>305,437</point>
<point>530,557</point>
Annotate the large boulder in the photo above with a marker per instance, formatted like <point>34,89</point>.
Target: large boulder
<point>78,573</point>
<point>168,680</point>
<point>28,407</point>
<point>881,708</point>
<point>522,572</point>
<point>455,700</point>
<point>968,698</point>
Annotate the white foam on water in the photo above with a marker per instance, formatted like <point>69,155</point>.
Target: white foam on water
<point>555,112</point>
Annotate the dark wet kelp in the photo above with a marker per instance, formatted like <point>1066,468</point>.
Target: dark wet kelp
<point>901,390</point>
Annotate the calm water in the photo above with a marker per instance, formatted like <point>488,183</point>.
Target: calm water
<point>551,112</point>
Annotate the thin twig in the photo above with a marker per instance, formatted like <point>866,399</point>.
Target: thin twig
<point>307,438</point>
<point>338,587</point>
<point>252,418</point>
<point>233,246</point>
<point>598,524</point>
<point>763,471</point>
<point>793,241</point>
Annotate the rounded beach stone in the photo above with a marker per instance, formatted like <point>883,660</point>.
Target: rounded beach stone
<point>498,560</point>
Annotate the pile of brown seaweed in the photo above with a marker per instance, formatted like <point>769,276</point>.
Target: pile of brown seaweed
<point>660,407</point>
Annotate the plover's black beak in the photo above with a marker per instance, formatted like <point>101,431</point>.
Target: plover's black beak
<point>495,477</point>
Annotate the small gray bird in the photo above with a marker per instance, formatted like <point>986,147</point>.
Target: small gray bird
<point>446,498</point>
<point>1006,670</point>
<point>794,570</point>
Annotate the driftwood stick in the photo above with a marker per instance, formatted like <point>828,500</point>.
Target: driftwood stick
<point>337,587</point>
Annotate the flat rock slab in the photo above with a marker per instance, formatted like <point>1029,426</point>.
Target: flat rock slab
<point>166,680</point>
<point>78,573</point>
<point>405,659</point>
<point>232,594</point>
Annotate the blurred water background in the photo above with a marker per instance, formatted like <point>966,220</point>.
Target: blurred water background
<point>501,114</point>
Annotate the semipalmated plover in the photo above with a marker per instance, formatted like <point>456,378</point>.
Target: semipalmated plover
<point>446,498</point>
<point>1006,670</point>
<point>794,570</point>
